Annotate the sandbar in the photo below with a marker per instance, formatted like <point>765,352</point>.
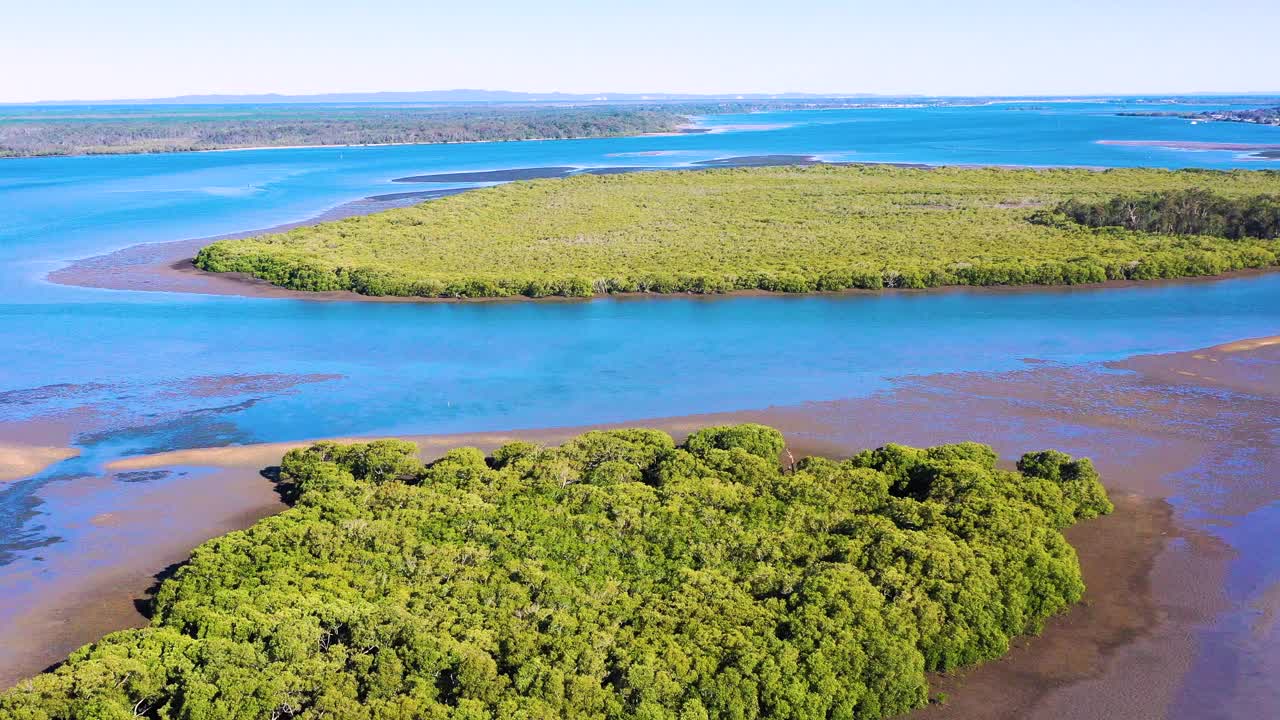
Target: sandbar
<point>19,461</point>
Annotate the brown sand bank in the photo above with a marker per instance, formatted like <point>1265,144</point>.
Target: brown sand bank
<point>1245,345</point>
<point>47,611</point>
<point>1155,572</point>
<point>19,461</point>
<point>167,266</point>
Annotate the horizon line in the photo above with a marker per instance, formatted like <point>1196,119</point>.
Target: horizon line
<point>600,97</point>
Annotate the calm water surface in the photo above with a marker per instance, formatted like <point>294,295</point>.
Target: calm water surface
<point>116,370</point>
<point>119,373</point>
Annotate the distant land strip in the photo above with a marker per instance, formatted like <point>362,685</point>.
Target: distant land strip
<point>1252,116</point>
<point>52,131</point>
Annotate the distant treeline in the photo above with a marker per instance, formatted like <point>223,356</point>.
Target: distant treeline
<point>31,135</point>
<point>619,576</point>
<point>1192,211</point>
<point>784,229</point>
<point>30,132</point>
<point>1254,116</point>
<point>1257,116</point>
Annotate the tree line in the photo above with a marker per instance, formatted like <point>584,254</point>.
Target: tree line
<point>1190,211</point>
<point>167,130</point>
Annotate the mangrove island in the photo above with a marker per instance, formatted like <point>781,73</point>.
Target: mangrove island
<point>616,576</point>
<point>781,229</point>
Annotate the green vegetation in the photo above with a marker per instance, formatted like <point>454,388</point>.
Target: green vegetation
<point>786,229</point>
<point>96,131</point>
<point>618,576</point>
<point>1181,212</point>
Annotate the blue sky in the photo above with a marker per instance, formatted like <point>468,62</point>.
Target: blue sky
<point>89,49</point>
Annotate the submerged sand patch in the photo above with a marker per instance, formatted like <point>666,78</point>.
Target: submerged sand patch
<point>1246,345</point>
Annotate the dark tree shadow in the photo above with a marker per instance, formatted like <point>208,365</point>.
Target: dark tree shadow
<point>288,491</point>
<point>146,605</point>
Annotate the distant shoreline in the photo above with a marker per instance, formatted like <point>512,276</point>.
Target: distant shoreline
<point>678,130</point>
<point>352,146</point>
<point>670,122</point>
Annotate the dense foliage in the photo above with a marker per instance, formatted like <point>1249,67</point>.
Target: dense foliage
<point>172,129</point>
<point>1182,212</point>
<point>787,229</point>
<point>618,576</point>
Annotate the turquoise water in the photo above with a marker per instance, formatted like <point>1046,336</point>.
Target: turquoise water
<point>133,372</point>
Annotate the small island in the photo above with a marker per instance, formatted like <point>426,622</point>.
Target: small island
<point>1254,116</point>
<point>779,229</point>
<point>618,575</point>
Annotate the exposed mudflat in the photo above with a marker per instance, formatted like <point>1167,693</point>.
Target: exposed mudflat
<point>1186,443</point>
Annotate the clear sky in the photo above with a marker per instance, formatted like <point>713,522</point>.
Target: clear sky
<point>89,49</point>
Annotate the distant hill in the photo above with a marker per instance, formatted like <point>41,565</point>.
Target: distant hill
<point>474,96</point>
<point>447,96</point>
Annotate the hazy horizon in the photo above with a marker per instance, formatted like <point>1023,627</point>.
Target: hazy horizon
<point>144,49</point>
<point>602,96</point>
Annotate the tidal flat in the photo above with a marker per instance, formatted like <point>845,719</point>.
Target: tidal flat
<point>1183,442</point>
